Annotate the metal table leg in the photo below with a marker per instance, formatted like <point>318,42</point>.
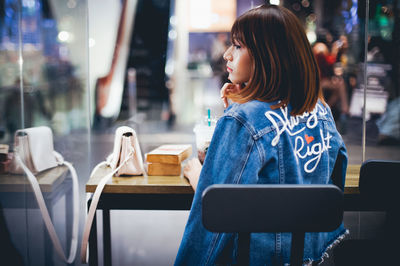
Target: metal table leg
<point>93,257</point>
<point>106,238</point>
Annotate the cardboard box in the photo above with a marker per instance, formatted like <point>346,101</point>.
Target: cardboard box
<point>169,154</point>
<point>163,169</point>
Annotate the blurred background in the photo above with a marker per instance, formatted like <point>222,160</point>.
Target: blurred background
<point>85,67</point>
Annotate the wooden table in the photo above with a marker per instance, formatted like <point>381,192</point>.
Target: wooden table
<point>155,193</point>
<point>140,184</point>
<point>352,178</point>
<point>48,180</point>
<point>179,184</point>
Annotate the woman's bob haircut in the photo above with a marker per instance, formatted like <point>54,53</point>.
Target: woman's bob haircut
<point>284,68</point>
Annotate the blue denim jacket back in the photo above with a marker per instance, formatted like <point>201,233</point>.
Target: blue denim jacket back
<point>254,144</point>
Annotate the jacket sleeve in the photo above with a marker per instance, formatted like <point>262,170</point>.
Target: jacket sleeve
<point>231,158</point>
<point>339,170</point>
<point>343,159</point>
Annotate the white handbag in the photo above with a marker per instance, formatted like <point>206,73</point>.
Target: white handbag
<point>34,146</point>
<point>34,153</point>
<point>126,159</point>
<point>126,154</point>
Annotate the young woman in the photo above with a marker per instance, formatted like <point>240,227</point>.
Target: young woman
<point>277,131</point>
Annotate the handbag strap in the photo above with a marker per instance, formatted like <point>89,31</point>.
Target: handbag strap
<point>45,213</point>
<point>94,203</point>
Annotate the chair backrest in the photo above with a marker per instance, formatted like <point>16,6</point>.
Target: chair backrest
<point>380,183</point>
<point>272,208</point>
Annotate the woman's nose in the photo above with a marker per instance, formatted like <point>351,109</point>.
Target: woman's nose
<point>227,55</point>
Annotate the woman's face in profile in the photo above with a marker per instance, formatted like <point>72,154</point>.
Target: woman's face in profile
<point>238,63</point>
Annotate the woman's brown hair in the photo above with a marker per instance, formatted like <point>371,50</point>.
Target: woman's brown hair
<point>284,67</point>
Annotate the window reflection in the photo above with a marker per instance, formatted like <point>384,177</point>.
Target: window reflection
<point>43,79</point>
<point>383,86</point>
<point>35,52</point>
<point>336,31</point>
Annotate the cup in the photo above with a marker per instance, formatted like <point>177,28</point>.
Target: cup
<point>204,135</point>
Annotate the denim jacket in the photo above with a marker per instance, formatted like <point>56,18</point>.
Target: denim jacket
<point>254,144</point>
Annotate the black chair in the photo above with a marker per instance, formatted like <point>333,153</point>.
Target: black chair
<point>244,209</point>
<point>379,184</point>
<point>379,187</point>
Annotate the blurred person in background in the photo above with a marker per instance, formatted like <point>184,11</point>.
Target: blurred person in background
<point>331,58</point>
<point>389,124</point>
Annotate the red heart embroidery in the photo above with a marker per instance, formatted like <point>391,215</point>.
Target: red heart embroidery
<point>309,138</point>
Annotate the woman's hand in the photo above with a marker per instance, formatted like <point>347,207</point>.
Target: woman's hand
<point>227,89</point>
<point>192,171</point>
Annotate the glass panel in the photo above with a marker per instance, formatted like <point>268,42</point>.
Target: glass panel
<point>334,29</point>
<point>383,83</point>
<point>43,82</point>
<point>174,70</point>
<point>14,201</point>
<point>129,77</point>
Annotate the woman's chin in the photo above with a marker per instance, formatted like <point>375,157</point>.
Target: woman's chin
<point>233,80</point>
